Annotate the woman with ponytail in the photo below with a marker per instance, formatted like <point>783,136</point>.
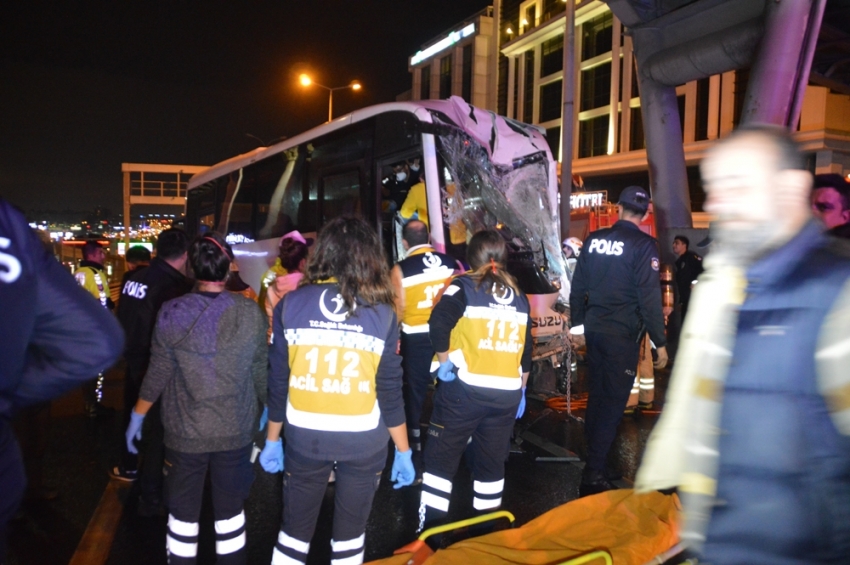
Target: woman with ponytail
<point>481,332</point>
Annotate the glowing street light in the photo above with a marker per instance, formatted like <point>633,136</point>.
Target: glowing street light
<point>305,80</point>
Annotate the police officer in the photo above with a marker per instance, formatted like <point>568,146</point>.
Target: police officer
<point>688,268</point>
<point>614,299</point>
<point>482,336</point>
<point>92,278</point>
<point>336,380</point>
<point>142,296</point>
<point>53,337</point>
<point>418,280</point>
<point>91,275</point>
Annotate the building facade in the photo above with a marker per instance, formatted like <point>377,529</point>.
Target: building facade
<point>609,147</point>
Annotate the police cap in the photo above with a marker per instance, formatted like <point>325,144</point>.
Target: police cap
<point>636,197</point>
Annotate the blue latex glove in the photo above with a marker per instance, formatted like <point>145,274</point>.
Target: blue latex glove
<point>271,458</point>
<point>264,418</point>
<point>403,472</point>
<point>134,430</point>
<point>446,371</point>
<point>521,408</point>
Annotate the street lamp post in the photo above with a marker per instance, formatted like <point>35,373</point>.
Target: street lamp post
<point>307,81</point>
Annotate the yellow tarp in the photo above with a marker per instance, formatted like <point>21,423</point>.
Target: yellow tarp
<point>634,528</point>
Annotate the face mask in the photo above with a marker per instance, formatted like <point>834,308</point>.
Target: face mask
<point>414,168</point>
<point>400,177</point>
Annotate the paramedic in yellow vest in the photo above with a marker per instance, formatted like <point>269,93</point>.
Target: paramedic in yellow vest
<point>92,277</point>
<point>481,332</point>
<point>336,381</point>
<point>415,206</point>
<point>418,280</point>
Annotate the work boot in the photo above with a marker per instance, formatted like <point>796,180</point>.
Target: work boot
<point>594,482</point>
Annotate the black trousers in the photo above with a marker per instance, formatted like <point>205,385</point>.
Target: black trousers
<point>611,362</point>
<point>457,418</point>
<point>305,481</point>
<point>231,476</point>
<point>133,376</point>
<point>13,481</point>
<point>416,356</point>
<point>153,455</point>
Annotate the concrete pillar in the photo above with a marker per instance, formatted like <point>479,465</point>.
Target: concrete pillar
<point>782,64</point>
<point>666,156</point>
<point>567,118</point>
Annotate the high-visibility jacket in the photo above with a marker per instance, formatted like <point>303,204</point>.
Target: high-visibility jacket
<point>489,344</point>
<point>268,279</point>
<point>425,272</point>
<point>416,203</point>
<point>91,277</point>
<point>335,374</point>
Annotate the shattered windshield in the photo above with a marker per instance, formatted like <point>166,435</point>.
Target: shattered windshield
<point>482,195</point>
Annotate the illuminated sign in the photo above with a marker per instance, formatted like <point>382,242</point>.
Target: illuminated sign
<point>453,38</point>
<point>145,244</point>
<point>588,199</point>
<point>234,238</point>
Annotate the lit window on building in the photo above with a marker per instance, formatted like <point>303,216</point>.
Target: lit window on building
<point>596,36</point>
<point>466,82</point>
<point>551,100</point>
<point>596,87</point>
<point>552,56</point>
<point>528,102</point>
<point>446,76</point>
<point>425,85</point>
<point>593,137</point>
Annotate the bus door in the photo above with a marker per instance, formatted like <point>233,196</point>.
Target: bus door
<point>387,187</point>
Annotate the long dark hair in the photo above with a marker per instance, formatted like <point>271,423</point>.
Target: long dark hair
<point>348,250</point>
<point>487,255</point>
<point>210,258</point>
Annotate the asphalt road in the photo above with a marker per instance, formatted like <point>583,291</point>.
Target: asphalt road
<point>80,450</point>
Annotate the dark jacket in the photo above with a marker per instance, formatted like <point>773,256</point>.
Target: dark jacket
<point>142,295</point>
<point>616,289</point>
<point>688,268</point>
<point>784,469</point>
<point>53,336</point>
<point>209,363</point>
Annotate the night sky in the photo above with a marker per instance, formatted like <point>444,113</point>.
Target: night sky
<point>89,85</point>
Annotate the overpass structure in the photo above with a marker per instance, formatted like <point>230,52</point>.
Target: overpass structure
<point>154,184</point>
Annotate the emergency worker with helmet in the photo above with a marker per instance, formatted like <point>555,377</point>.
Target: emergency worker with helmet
<point>481,332</point>
<point>614,300</point>
<point>418,280</point>
<point>571,248</point>
<point>336,380</point>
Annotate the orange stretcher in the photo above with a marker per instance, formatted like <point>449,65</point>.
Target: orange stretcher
<point>617,526</point>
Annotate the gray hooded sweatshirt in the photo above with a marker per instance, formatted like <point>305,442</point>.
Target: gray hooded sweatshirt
<point>209,364</point>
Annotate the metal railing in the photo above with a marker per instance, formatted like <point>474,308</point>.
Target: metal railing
<point>157,188</point>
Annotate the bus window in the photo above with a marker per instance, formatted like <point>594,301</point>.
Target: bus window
<point>236,212</point>
<point>341,194</point>
<point>200,205</point>
<point>279,193</point>
<point>338,172</point>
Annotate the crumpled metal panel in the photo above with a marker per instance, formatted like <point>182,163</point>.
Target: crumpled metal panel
<point>503,185</point>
